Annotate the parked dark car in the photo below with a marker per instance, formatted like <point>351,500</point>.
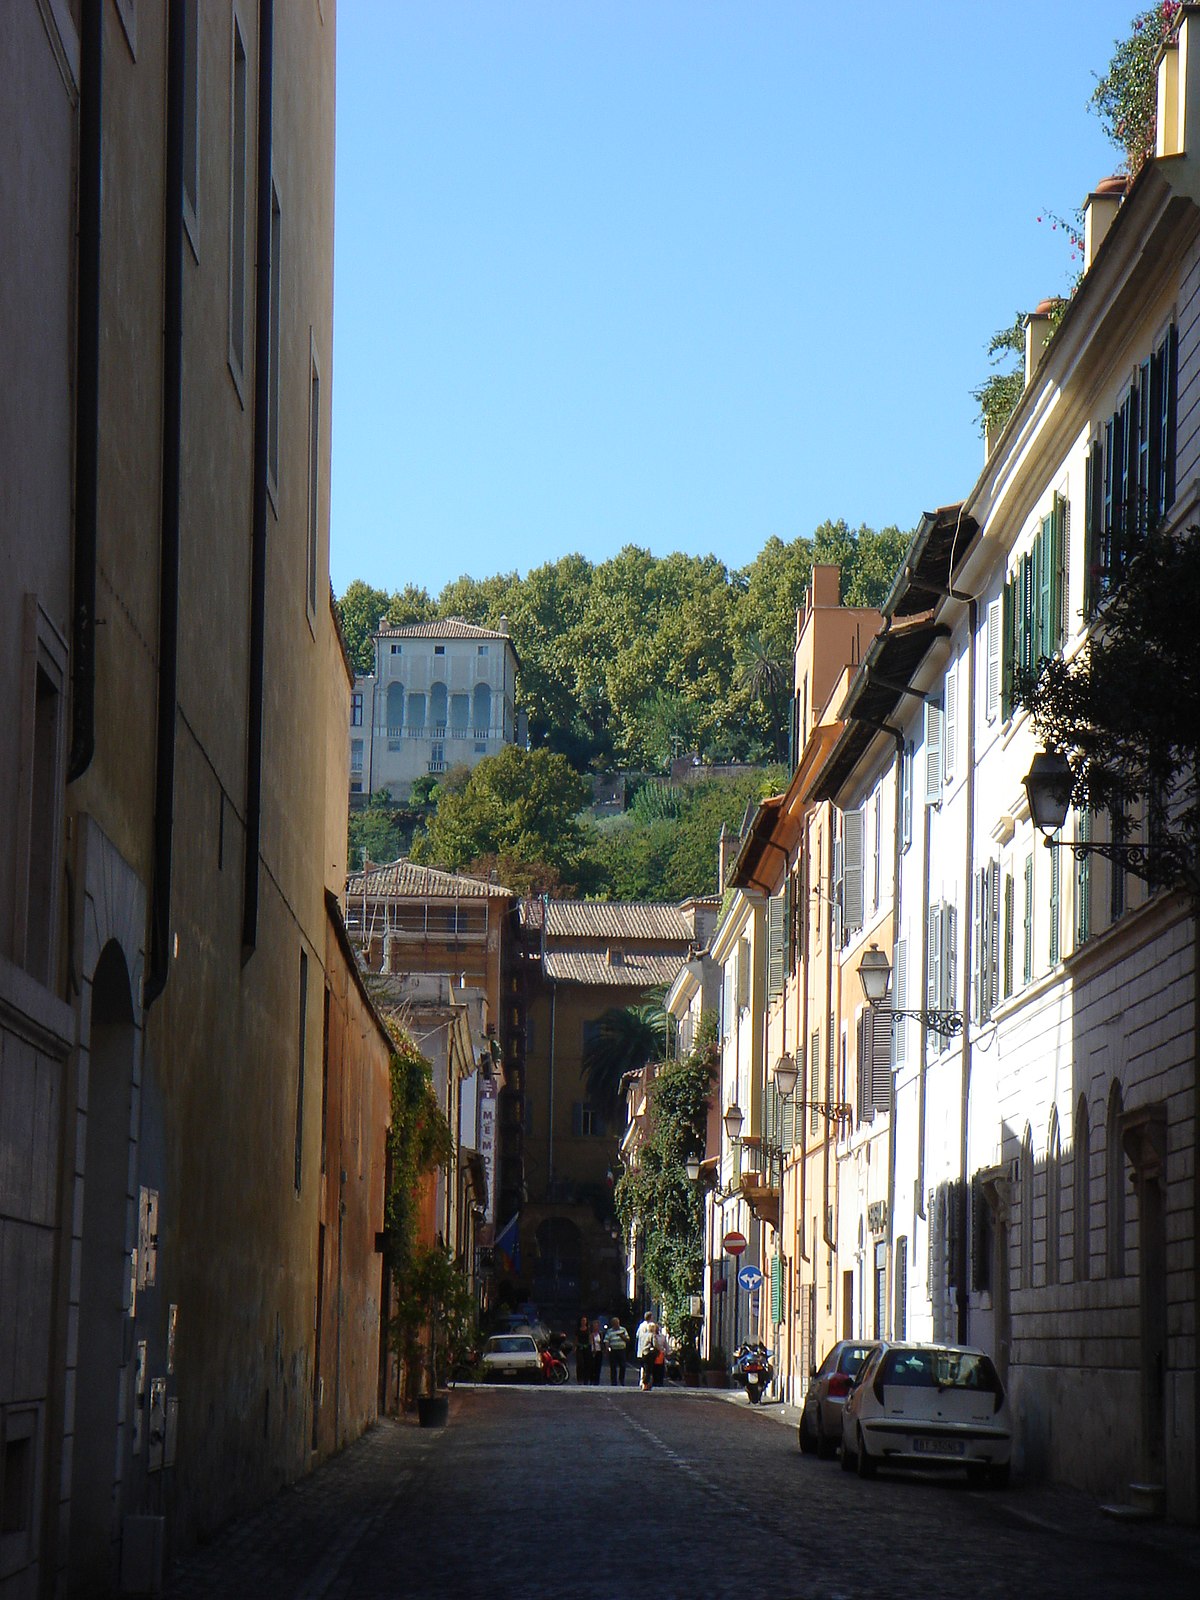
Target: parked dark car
<point>821,1420</point>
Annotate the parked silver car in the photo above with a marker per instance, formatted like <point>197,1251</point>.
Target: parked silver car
<point>821,1420</point>
<point>928,1405</point>
<point>512,1355</point>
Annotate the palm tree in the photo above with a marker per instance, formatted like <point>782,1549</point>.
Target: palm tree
<point>626,1039</point>
<point>767,679</point>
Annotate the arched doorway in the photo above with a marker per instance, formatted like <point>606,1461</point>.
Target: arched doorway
<point>105,1282</point>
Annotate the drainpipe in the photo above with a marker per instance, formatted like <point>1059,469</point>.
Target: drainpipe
<point>87,391</point>
<point>964,1233</point>
<point>550,1119</point>
<point>168,574</point>
<point>898,825</point>
<point>828,1232</point>
<point>923,1040</point>
<point>258,525</point>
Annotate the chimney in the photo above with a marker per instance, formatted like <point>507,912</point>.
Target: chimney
<point>726,850</point>
<point>1038,328</point>
<point>826,585</point>
<point>502,625</point>
<point>1099,213</point>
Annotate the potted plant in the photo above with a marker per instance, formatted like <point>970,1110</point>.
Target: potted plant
<point>432,1328</point>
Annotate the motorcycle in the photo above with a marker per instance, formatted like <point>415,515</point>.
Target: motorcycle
<point>752,1361</point>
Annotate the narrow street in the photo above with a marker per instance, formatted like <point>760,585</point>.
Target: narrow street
<point>602,1494</point>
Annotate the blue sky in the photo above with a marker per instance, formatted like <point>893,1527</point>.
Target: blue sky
<point>683,273</point>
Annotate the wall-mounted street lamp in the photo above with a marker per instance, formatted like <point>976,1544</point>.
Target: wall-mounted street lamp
<point>733,1122</point>
<point>875,975</point>
<point>1049,783</point>
<point>692,1167</point>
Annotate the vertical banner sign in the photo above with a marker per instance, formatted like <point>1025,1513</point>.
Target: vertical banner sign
<point>487,1143</point>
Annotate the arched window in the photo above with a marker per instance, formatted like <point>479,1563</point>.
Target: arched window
<point>481,714</point>
<point>1114,1181</point>
<point>437,707</point>
<point>1027,1209</point>
<point>395,708</point>
<point>416,710</point>
<point>460,712</point>
<point>1053,1199</point>
<point>1081,1185</point>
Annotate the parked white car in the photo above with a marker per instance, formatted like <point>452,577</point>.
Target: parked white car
<point>927,1405</point>
<point>512,1355</point>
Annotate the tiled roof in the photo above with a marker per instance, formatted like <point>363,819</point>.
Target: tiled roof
<point>404,879</point>
<point>638,920</point>
<point>445,628</point>
<point>640,969</point>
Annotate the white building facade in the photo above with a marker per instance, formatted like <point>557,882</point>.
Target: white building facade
<point>441,695</point>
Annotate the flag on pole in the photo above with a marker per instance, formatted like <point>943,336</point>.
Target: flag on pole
<point>508,1247</point>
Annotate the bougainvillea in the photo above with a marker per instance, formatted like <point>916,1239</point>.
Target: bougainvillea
<point>1126,97</point>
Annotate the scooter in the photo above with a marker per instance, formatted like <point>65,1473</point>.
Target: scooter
<point>753,1361</point>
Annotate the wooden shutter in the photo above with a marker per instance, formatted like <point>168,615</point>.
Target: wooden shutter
<point>852,870</point>
<point>1043,561</point>
<point>933,752</point>
<point>993,929</point>
<point>933,959</point>
<point>1092,515</point>
<point>949,957</point>
<point>1055,903</point>
<point>994,620</point>
<point>1062,565</point>
<point>977,950</point>
<point>1010,913</point>
<point>1008,649</point>
<point>1027,956</point>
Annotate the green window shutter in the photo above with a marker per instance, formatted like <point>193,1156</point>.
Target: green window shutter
<point>1055,902</point>
<point>1010,915</point>
<point>1062,567</point>
<point>1166,491</point>
<point>1028,612</point>
<point>776,1289</point>
<point>1092,536</point>
<point>1083,883</point>
<point>1027,953</point>
<point>776,941</point>
<point>1047,603</point>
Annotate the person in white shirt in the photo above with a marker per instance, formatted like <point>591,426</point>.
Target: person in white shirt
<point>644,1349</point>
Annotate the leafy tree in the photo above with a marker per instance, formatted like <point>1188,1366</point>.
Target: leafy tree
<point>1125,710</point>
<point>657,1195</point>
<point>878,555</point>
<point>408,605</point>
<point>767,680</point>
<point>1126,97</point>
<point>522,804</point>
<point>626,1039</point>
<point>360,610</point>
<point>377,831</point>
<point>997,396</point>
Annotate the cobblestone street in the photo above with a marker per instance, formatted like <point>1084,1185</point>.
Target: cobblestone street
<point>599,1494</point>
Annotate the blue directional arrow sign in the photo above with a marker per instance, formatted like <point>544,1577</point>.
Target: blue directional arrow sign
<point>750,1278</point>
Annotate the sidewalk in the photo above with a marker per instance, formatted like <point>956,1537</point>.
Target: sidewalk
<point>294,1546</point>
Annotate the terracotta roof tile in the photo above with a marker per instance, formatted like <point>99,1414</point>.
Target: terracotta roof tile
<point>444,628</point>
<point>404,879</point>
<point>639,920</point>
<point>640,969</point>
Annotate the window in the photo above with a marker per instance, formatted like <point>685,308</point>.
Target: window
<point>1114,1178</point>
<point>900,1001</point>
<point>1131,473</point>
<point>950,726</point>
<point>900,1268</point>
<point>191,121</point>
<point>356,757</point>
<point>439,649</point>
<point>482,650</point>
<point>1083,883</point>
<point>874,1051</point>
<point>586,1121</point>
<point>1034,619</point>
<point>1053,1200</point>
<point>987,940</point>
<point>395,714</point>
<point>438,702</point>
<point>416,713</point>
<point>906,795</point>
<point>396,649</point>
<point>1027,1209</point>
<point>994,633</point>
<point>1027,927</point>
<point>1010,918</point>
<point>743,974</point>
<point>852,871</point>
<point>43,682</point>
<point>1081,1187</point>
<point>1055,902</point>
<point>301,1045</point>
<point>941,963</point>
<point>814,1116</point>
<point>933,752</point>
<point>237,210</point>
<point>356,709</point>
<point>312,563</point>
<point>777,911</point>
<point>273,314</point>
<point>877,851</point>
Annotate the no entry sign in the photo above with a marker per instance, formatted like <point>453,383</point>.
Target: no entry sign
<point>734,1243</point>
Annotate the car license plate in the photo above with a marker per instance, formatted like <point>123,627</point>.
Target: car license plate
<point>938,1447</point>
<point>508,1372</point>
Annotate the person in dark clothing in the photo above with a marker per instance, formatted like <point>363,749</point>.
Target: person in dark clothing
<point>616,1342</point>
<point>583,1351</point>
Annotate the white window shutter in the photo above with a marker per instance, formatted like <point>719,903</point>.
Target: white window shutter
<point>950,727</point>
<point>933,752</point>
<point>852,870</point>
<point>993,659</point>
<point>949,957</point>
<point>880,1025</point>
<point>933,962</point>
<point>776,934</point>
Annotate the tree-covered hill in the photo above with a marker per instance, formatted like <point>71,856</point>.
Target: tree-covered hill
<point>626,662</point>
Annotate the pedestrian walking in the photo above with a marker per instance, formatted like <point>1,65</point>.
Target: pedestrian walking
<point>583,1350</point>
<point>662,1345</point>
<point>643,1349</point>
<point>616,1342</point>
<point>597,1346</point>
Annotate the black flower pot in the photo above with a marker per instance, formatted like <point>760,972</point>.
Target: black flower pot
<point>432,1410</point>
